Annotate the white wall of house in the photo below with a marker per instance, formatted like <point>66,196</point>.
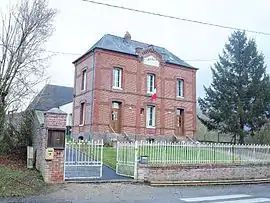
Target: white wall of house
<point>68,109</point>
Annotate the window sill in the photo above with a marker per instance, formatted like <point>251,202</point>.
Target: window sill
<point>179,97</point>
<point>150,127</point>
<point>117,88</point>
<point>81,125</point>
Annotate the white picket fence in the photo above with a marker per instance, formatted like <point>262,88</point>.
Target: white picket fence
<point>200,153</point>
<point>188,153</point>
<point>128,154</point>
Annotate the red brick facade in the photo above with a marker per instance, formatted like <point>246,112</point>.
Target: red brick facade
<point>133,96</point>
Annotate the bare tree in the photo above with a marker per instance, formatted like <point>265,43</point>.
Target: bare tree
<point>24,30</point>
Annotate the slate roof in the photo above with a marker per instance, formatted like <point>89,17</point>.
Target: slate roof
<point>51,96</point>
<point>119,44</point>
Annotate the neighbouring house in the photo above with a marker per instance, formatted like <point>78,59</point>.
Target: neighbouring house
<point>129,87</point>
<point>52,98</point>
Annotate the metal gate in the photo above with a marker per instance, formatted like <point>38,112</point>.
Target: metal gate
<point>126,161</point>
<point>83,160</point>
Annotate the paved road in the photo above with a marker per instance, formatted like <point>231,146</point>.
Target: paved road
<point>123,193</point>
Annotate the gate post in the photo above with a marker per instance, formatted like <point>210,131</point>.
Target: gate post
<point>54,152</point>
<point>136,148</point>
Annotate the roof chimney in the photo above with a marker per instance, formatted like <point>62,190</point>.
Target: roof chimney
<point>127,36</point>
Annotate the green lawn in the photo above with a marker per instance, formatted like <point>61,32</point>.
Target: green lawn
<point>157,155</point>
<point>109,156</point>
<point>20,182</point>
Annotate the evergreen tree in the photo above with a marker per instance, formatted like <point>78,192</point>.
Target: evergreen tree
<point>239,96</point>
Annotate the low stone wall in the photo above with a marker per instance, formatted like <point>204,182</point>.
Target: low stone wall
<point>203,172</point>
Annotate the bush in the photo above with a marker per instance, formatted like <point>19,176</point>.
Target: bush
<point>17,134</point>
<point>150,140</point>
<point>108,143</point>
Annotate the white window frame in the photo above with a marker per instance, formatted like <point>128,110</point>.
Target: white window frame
<point>84,75</point>
<point>180,94</point>
<point>150,84</point>
<point>148,116</point>
<point>117,79</point>
<point>83,114</point>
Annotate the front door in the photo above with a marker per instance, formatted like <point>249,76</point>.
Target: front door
<point>179,128</point>
<point>116,117</point>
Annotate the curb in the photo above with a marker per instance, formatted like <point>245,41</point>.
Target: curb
<point>207,183</point>
<point>105,181</point>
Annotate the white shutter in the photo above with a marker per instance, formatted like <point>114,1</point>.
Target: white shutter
<point>114,74</point>
<point>148,83</point>
<point>120,78</point>
<point>147,116</point>
<point>84,80</point>
<point>153,117</point>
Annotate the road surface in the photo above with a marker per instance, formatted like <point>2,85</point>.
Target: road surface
<point>132,193</point>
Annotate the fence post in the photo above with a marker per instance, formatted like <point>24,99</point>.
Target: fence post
<point>136,160</point>
<point>117,157</point>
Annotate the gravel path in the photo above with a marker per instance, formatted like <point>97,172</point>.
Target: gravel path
<point>111,192</point>
<point>103,192</point>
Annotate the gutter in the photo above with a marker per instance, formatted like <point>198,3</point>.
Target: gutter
<point>130,54</point>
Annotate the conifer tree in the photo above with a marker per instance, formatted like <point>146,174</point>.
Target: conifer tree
<point>239,95</point>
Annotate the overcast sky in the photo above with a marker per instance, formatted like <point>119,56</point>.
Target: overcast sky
<point>80,24</point>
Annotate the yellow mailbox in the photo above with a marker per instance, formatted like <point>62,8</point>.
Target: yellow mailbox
<point>49,154</point>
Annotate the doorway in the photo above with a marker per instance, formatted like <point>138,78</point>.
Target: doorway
<point>179,129</point>
<point>116,117</point>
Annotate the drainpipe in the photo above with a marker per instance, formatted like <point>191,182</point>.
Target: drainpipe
<point>92,95</point>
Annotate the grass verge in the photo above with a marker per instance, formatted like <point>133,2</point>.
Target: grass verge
<point>20,182</point>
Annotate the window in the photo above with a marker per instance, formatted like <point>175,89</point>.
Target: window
<point>180,88</point>
<point>150,83</point>
<point>84,80</point>
<point>116,105</point>
<point>117,78</point>
<point>82,112</point>
<point>150,117</point>
<point>56,138</point>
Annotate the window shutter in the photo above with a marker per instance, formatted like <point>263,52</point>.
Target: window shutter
<point>154,116</point>
<point>147,115</point>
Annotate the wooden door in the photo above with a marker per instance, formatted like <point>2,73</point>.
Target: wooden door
<point>179,123</point>
<point>56,138</point>
<point>116,117</point>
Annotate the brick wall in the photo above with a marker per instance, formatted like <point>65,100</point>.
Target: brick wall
<point>51,170</point>
<point>54,169</point>
<point>133,96</point>
<point>55,120</point>
<point>203,172</point>
<point>82,95</point>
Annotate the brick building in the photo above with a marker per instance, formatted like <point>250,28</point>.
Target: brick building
<point>114,84</point>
